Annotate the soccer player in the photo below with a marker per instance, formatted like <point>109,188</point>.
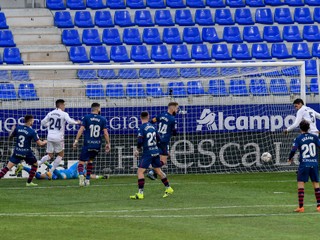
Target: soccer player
<point>22,151</point>
<point>307,144</point>
<point>167,127</point>
<point>56,121</point>
<point>147,139</point>
<point>304,113</point>
<point>93,127</point>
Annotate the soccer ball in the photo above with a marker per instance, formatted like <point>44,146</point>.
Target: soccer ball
<point>266,157</point>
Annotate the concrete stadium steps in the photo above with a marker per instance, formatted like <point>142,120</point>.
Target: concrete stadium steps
<point>38,35</point>
<point>43,53</point>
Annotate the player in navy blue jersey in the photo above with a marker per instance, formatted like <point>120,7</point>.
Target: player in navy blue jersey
<point>24,135</point>
<point>167,127</point>
<point>94,127</point>
<point>147,140</point>
<point>307,144</point>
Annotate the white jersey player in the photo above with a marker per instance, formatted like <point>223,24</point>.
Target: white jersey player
<point>304,113</point>
<point>55,121</point>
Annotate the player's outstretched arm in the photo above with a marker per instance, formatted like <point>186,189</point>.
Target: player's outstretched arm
<point>296,122</point>
<point>107,138</point>
<point>45,121</point>
<point>317,115</point>
<point>41,143</point>
<point>79,134</point>
<point>71,120</point>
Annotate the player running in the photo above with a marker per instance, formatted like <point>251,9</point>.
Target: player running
<point>307,144</point>
<point>22,151</point>
<point>56,122</point>
<point>167,127</point>
<point>93,127</point>
<point>147,139</point>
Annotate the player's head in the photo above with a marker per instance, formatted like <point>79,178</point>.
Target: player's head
<point>28,119</point>
<point>304,126</point>
<point>298,103</point>
<point>60,104</point>
<point>95,108</point>
<point>173,108</point>
<point>144,116</point>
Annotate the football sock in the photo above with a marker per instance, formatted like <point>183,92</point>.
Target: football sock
<point>300,196</point>
<point>55,163</point>
<point>3,171</point>
<point>43,160</point>
<point>165,182</point>
<point>317,193</point>
<point>32,173</point>
<point>89,170</point>
<point>141,185</point>
<point>80,169</point>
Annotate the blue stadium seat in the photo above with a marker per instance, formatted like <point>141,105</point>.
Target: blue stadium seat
<point>195,88</point>
<point>189,72</point>
<point>243,16</point>
<point>264,16</point>
<point>273,2</point>
<point>116,4</point>
<point>110,36</point>
<point>143,18</point>
<point>223,17</point>
<point>311,33</point>
<point>156,4</point>
<point>119,54</point>
<point>215,3</point>
<point>128,74</point>
<point>175,4</point>
<point>135,4</point>
<point>55,4</point>
<point>227,71</point>
<point>6,39</point>
<point>115,90</point>
<point>302,15</point>
<point>235,3</point>
<point>283,16</point>
<point>209,34</point>
<point>295,86</point>
<point>203,17</point>
<point>316,50</point>
<point>7,92</point>
<point>103,19</point>
<point>70,37</point>
<point>135,90</point>
<point>311,67</point>
<point>183,17</point>
<point>123,19</point>
<point>238,87</point>
<point>191,35</point>
<point>151,36</point>
<point>260,51</point>
<point>87,74</point>
<point>3,22</point>
<point>294,2</point>
<point>83,19</point>
<point>159,53</point>
<point>217,87</point>
<point>278,86</point>
<point>316,15</point>
<point>209,72</point>
<point>272,34</point>
<point>94,91</point>
<point>177,89</point>
<point>140,54</point>
<point>200,52</point>
<point>251,34</point>
<point>148,72</point>
<point>314,86</point>
<point>12,56</point>
<point>131,36</point>
<point>280,51</point>
<point>4,76</point>
<point>98,54</point>
<point>241,52</point>
<point>300,51</point>
<point>171,36</point>
<point>180,53</point>
<point>154,90</point>
<point>1,61</point>
<point>258,87</point>
<point>291,34</point>
<point>255,3</point>
<point>312,2</point>
<point>95,4</point>
<point>76,4</point>
<point>250,71</point>
<point>91,37</point>
<point>78,54</point>
<point>163,18</point>
<point>61,20</point>
<point>196,3</point>
<point>106,74</point>
<point>169,72</point>
<point>290,70</point>
<point>220,52</point>
<point>232,35</point>
<point>20,75</point>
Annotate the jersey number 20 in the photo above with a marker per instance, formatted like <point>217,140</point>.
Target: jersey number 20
<point>309,150</point>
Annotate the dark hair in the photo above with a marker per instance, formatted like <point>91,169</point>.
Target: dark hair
<point>298,101</point>
<point>95,105</point>
<point>144,114</point>
<point>304,125</point>
<point>59,102</point>
<point>27,118</point>
<point>173,104</point>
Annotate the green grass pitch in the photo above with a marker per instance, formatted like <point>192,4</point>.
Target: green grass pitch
<point>229,206</point>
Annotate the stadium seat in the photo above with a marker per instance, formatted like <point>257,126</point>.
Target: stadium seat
<point>215,3</point>
<point>76,4</point>
<point>227,71</point>
<point>238,87</point>
<point>163,18</point>
<point>316,50</point>
<point>140,54</point>
<point>302,15</point>
<point>110,36</point>
<point>255,3</point>
<point>55,4</point>
<point>61,20</point>
<point>94,91</point>
<point>264,16</point>
<point>6,39</point>
<point>128,73</point>
<point>191,35</point>
<point>250,71</point>
<point>300,51</point>
<point>295,86</point>
<point>3,22</point>
<point>196,3</point>
<point>70,37</point>
<point>251,34</point>
<point>283,16</point>
<point>91,37</point>
<point>209,72</point>
<point>209,34</point>
<point>4,76</point>
<point>195,88</point>
<point>290,70</point>
<point>311,33</point>
<point>278,86</point>
<point>223,17</point>
<point>280,51</point>
<point>294,2</point>
<point>311,67</point>
<point>154,90</point>
<point>103,19</point>
<point>175,4</point>
<point>143,18</point>
<point>316,15</point>
<point>220,52</point>
<point>7,92</point>
<point>258,87</point>
<point>189,72</point>
<point>314,86</point>
<point>241,52</point>
<point>236,3</point>
<point>156,4</point>
<point>116,4</point>
<point>83,19</point>
<point>98,54</point>
<point>312,2</point>
<point>135,90</point>
<point>169,72</point>
<point>217,88</point>
<point>151,36</point>
<point>232,35</point>
<point>243,16</point>
<point>176,89</point>
<point>135,4</point>
<point>20,75</point>
<point>107,74</point>
<point>200,52</point>
<point>291,34</point>
<point>148,73</point>
<point>159,53</point>
<point>260,51</point>
<point>183,17</point>
<point>87,74</point>
<point>180,53</point>
<point>171,36</point>
<point>123,19</point>
<point>78,54</point>
<point>203,17</point>
<point>115,90</point>
<point>273,2</point>
<point>119,54</point>
<point>12,56</point>
<point>271,34</point>
<point>95,4</point>
<point>131,36</point>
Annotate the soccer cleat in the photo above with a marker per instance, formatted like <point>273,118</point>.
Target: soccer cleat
<point>318,208</point>
<point>299,209</point>
<point>81,180</point>
<point>87,182</point>
<point>137,196</point>
<point>31,184</point>
<point>168,192</point>
<point>18,169</point>
<point>152,175</point>
<point>49,175</point>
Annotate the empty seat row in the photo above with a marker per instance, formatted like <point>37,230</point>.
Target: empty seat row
<point>11,55</point>
<point>16,75</point>
<point>26,91</point>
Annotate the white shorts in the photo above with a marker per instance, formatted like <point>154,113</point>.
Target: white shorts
<point>55,147</point>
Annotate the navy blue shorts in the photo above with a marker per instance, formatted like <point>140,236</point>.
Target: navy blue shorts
<point>88,154</point>
<point>305,172</point>
<point>164,149</point>
<point>30,159</point>
<point>146,160</point>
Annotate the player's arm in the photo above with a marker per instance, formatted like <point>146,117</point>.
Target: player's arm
<point>293,151</point>
<point>139,143</point>
<point>79,134</point>
<point>13,132</point>
<point>317,115</point>
<point>174,129</point>
<point>70,120</point>
<point>296,122</point>
<point>38,141</point>
<point>45,121</point>
<point>154,119</point>
<point>107,138</point>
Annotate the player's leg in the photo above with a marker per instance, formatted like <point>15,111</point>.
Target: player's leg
<point>37,176</point>
<point>164,153</point>
<point>81,172</point>
<point>144,163</point>
<point>50,151</point>
<point>31,160</point>
<point>302,177</point>
<point>89,171</point>
<point>314,176</point>
<point>12,162</point>
<point>59,149</point>
<point>156,164</point>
